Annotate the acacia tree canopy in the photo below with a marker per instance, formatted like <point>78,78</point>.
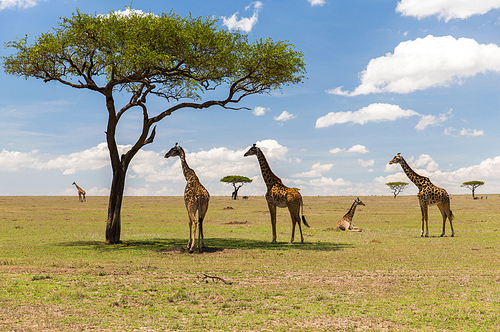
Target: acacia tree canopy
<point>472,185</point>
<point>237,181</point>
<point>147,55</point>
<point>396,187</point>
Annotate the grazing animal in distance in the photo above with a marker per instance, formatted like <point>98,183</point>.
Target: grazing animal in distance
<point>346,223</point>
<point>279,195</point>
<point>196,198</point>
<point>81,193</point>
<point>428,194</point>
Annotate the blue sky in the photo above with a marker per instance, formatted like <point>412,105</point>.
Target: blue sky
<point>416,77</point>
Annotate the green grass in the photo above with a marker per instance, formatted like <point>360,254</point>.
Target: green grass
<point>57,273</point>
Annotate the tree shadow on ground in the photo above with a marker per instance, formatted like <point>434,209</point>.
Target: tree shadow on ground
<point>213,245</point>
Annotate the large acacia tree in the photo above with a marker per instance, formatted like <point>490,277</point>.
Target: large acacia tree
<point>144,56</point>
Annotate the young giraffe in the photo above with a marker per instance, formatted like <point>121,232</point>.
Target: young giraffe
<point>81,193</point>
<point>196,198</point>
<point>279,195</point>
<point>428,194</point>
<point>346,223</point>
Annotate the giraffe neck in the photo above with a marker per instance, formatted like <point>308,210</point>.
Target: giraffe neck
<point>78,187</point>
<point>417,179</point>
<point>350,214</point>
<point>189,174</point>
<point>269,177</point>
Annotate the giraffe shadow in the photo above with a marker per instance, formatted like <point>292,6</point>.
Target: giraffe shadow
<point>212,245</point>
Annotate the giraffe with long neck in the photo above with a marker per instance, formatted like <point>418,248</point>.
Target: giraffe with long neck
<point>279,195</point>
<point>196,198</point>
<point>346,223</point>
<point>428,194</point>
<point>81,193</point>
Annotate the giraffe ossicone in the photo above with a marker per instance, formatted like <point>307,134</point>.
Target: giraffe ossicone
<point>279,195</point>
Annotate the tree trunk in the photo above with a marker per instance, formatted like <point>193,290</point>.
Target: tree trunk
<point>113,225</point>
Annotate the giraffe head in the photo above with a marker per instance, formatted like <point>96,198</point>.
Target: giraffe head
<point>358,202</point>
<point>174,152</point>
<point>397,159</point>
<point>252,151</point>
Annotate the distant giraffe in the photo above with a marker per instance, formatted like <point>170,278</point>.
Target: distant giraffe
<point>346,223</point>
<point>81,193</point>
<point>279,195</point>
<point>428,194</point>
<point>196,198</point>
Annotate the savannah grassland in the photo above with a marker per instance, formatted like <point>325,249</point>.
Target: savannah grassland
<point>57,274</point>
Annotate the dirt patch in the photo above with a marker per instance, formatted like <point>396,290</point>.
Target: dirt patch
<point>236,223</point>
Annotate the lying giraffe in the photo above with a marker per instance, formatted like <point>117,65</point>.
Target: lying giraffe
<point>196,198</point>
<point>81,193</point>
<point>428,194</point>
<point>279,195</point>
<point>346,223</point>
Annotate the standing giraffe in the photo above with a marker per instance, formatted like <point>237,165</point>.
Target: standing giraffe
<point>428,194</point>
<point>346,223</point>
<point>196,198</point>
<point>81,193</point>
<point>279,195</point>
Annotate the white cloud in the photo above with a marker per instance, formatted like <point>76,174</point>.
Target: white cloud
<point>464,132</point>
<point>424,63</point>
<point>317,170</point>
<point>447,9</point>
<point>366,163</point>
<point>259,110</point>
<point>284,116</point>
<point>244,24</point>
<point>317,2</point>
<point>375,112</point>
<point>432,120</point>
<point>21,4</point>
<point>329,182</point>
<point>353,149</point>
<point>471,132</point>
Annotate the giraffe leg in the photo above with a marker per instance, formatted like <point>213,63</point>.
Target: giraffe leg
<point>201,215</point>
<point>443,214</point>
<point>294,214</point>
<point>423,208</point>
<point>192,230</point>
<point>272,211</point>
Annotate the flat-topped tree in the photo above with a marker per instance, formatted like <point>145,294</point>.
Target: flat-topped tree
<point>237,181</point>
<point>148,55</point>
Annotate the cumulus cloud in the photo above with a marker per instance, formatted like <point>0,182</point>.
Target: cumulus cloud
<point>284,116</point>
<point>245,23</point>
<point>464,132</point>
<point>353,149</point>
<point>21,4</point>
<point>380,112</point>
<point>373,113</point>
<point>317,2</point>
<point>259,110</point>
<point>317,170</point>
<point>424,63</point>
<point>446,9</point>
<point>366,163</point>
<point>432,120</point>
<point>329,182</point>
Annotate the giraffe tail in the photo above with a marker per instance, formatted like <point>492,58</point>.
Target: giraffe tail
<point>303,218</point>
<point>451,216</point>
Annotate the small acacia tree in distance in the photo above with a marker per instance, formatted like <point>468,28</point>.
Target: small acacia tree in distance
<point>396,187</point>
<point>472,185</point>
<point>141,56</point>
<point>237,181</point>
